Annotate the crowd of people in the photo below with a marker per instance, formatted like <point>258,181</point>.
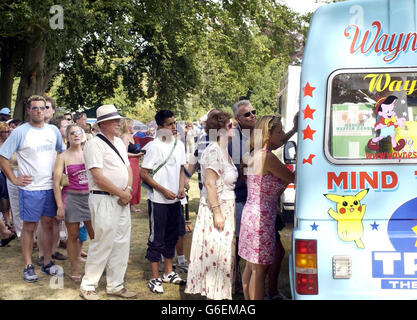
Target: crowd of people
<point>86,180</point>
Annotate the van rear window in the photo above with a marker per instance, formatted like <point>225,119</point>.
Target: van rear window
<point>372,116</point>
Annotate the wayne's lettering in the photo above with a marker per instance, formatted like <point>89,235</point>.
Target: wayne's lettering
<point>390,46</point>
<point>382,82</point>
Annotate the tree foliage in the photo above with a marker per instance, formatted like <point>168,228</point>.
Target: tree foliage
<point>38,48</point>
<point>144,55</point>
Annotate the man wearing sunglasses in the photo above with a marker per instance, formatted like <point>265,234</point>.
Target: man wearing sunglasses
<point>245,115</point>
<point>35,143</point>
<point>50,108</point>
<point>68,117</point>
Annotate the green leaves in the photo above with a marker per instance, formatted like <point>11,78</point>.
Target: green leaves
<point>185,55</point>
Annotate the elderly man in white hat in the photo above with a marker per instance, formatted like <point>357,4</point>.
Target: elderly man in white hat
<point>110,180</point>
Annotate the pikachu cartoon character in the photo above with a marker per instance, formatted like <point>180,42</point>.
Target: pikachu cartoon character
<point>349,216</point>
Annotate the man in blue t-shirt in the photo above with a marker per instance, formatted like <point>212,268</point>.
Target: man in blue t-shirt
<point>35,144</point>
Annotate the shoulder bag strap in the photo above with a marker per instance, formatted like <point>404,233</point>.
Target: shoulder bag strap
<point>169,156</point>
<point>65,166</point>
<point>102,137</point>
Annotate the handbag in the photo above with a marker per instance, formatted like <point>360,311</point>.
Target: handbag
<point>64,178</point>
<point>153,172</point>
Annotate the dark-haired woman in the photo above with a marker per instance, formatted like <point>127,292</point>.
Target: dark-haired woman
<point>212,258</point>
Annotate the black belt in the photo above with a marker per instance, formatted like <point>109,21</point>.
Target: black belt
<point>100,192</point>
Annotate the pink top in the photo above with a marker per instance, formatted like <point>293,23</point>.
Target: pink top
<point>77,177</point>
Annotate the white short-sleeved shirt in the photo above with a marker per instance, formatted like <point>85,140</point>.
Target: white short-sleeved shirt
<point>35,151</point>
<point>169,175</point>
<point>98,154</point>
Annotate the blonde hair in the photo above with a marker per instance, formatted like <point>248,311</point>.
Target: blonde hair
<point>124,128</point>
<point>260,136</point>
<point>95,128</point>
<point>263,128</point>
<point>4,126</point>
<point>34,98</point>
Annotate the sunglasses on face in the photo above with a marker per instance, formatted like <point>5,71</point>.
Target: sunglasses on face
<point>68,119</point>
<point>247,114</point>
<point>78,132</point>
<point>37,108</point>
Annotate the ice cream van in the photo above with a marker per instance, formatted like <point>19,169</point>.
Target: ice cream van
<point>355,232</point>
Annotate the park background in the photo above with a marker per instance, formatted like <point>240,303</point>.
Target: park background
<point>188,56</point>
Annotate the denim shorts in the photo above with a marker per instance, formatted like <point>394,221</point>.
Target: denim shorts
<point>35,204</point>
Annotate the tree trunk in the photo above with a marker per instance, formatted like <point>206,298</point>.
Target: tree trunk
<point>7,73</point>
<point>33,74</point>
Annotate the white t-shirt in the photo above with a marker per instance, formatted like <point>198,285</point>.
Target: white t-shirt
<point>98,154</point>
<point>169,175</point>
<point>35,151</point>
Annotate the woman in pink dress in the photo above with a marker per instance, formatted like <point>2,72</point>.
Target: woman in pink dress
<point>266,174</point>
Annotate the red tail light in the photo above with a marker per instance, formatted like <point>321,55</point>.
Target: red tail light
<point>306,266</point>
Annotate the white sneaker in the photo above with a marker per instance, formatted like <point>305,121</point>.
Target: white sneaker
<point>155,285</point>
<point>174,278</point>
<point>183,267</point>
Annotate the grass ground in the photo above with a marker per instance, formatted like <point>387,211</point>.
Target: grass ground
<point>12,286</point>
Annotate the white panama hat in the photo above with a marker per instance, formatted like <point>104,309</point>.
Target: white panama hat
<point>107,112</point>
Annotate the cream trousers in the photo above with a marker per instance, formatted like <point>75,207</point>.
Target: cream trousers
<point>111,244</point>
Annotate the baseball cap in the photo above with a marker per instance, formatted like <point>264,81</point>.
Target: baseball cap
<point>5,111</point>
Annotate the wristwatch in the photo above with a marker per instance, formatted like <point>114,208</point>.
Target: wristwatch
<point>130,188</point>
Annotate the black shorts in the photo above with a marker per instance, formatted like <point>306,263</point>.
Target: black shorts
<point>164,222</point>
<point>182,222</point>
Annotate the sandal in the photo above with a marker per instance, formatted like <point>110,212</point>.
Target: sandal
<point>5,242</point>
<point>135,210</point>
<point>75,278</point>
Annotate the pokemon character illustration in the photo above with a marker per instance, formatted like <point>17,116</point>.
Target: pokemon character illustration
<point>387,123</point>
<point>349,216</point>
